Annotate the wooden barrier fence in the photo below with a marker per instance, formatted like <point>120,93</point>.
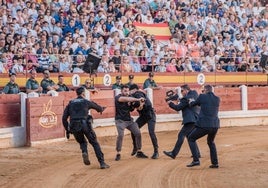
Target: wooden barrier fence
<point>43,114</point>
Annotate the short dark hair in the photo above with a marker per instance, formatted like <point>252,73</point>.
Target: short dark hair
<point>185,87</point>
<point>133,86</point>
<point>208,88</point>
<point>80,90</point>
<point>124,86</point>
<point>60,76</point>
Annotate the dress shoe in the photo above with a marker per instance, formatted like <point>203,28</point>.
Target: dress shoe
<point>194,163</point>
<point>214,166</point>
<point>103,165</point>
<point>85,158</point>
<point>199,156</point>
<point>155,155</point>
<point>169,154</point>
<point>140,154</point>
<point>118,157</point>
<point>134,151</point>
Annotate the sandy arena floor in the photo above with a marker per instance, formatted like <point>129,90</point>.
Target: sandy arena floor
<point>242,151</point>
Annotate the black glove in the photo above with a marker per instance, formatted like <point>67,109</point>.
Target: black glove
<point>68,135</point>
<point>103,108</point>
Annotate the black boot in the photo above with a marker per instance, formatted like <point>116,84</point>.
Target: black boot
<point>155,155</point>
<point>103,165</point>
<point>85,158</point>
<point>134,151</point>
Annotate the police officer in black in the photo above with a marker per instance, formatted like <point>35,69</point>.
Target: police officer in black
<point>146,115</point>
<point>189,118</point>
<point>11,87</point>
<point>61,85</point>
<point>80,125</point>
<point>208,123</point>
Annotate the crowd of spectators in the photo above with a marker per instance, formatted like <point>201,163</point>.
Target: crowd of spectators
<point>206,35</point>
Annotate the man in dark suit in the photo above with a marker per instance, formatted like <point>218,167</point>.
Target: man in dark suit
<point>189,115</point>
<point>207,124</point>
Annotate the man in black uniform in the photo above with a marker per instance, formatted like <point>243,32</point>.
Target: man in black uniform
<point>146,115</point>
<point>189,118</point>
<point>123,121</point>
<point>62,86</point>
<point>208,123</point>
<point>80,125</point>
<point>11,87</point>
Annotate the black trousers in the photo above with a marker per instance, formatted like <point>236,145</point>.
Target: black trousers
<point>88,132</point>
<point>199,132</point>
<point>184,132</point>
<point>141,121</point>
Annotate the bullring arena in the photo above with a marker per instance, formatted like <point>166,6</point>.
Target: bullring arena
<point>35,152</point>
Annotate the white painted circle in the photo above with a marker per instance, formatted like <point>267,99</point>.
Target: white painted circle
<point>201,79</point>
<point>107,80</point>
<point>76,80</point>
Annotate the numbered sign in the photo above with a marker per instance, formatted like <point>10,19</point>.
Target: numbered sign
<point>201,79</point>
<point>107,80</point>
<point>76,80</point>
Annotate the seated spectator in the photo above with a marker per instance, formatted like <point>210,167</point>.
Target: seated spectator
<point>32,85</point>
<point>171,66</point>
<point>47,84</point>
<point>64,64</point>
<point>130,80</point>
<point>135,64</point>
<point>125,66</point>
<point>11,87</point>
<point>149,82</point>
<point>111,66</point>
<point>89,85</point>
<point>44,62</point>
<point>162,66</point>
<point>187,65</point>
<point>78,64</point>
<point>61,85</point>
<point>219,68</point>
<point>117,84</point>
<point>17,66</point>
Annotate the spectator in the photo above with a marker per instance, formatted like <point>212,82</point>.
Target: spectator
<point>47,84</point>
<point>61,84</point>
<point>117,84</point>
<point>11,87</point>
<point>32,85</point>
<point>149,82</point>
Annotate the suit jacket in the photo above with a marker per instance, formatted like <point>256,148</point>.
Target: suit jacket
<point>189,113</point>
<point>208,116</point>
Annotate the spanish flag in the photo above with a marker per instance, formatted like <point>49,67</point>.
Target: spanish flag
<point>159,30</point>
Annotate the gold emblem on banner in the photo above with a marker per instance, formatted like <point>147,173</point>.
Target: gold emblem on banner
<point>48,118</point>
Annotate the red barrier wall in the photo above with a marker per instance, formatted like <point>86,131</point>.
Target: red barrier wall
<point>44,113</point>
<point>257,98</point>
<point>44,118</point>
<point>9,111</point>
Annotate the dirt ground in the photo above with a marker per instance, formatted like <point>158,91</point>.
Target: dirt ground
<point>242,151</point>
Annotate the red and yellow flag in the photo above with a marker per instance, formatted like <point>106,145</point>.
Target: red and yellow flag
<point>159,30</point>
